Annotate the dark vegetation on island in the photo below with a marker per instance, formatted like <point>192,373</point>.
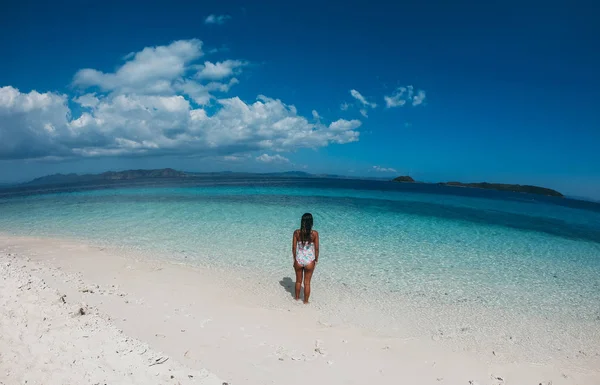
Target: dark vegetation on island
<point>109,175</point>
<point>509,187</point>
<point>493,186</point>
<point>404,179</point>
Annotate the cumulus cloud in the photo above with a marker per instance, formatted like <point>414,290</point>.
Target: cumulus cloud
<point>404,95</point>
<point>219,70</point>
<point>151,70</point>
<point>87,100</point>
<point>358,96</point>
<point>265,158</point>
<point>383,169</point>
<point>202,94</point>
<point>153,105</point>
<point>216,19</point>
<point>32,123</point>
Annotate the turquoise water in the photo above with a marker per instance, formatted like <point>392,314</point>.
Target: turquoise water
<point>521,253</point>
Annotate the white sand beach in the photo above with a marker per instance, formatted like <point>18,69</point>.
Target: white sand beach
<point>72,313</point>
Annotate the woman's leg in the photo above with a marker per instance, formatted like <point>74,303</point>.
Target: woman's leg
<point>308,272</point>
<point>299,270</point>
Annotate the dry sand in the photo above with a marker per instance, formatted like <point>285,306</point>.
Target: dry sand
<point>151,322</point>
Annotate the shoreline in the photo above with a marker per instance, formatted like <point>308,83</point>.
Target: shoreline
<point>246,336</point>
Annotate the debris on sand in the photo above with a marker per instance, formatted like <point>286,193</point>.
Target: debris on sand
<point>160,360</point>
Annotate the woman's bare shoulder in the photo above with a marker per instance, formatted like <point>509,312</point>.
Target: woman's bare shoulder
<point>315,232</point>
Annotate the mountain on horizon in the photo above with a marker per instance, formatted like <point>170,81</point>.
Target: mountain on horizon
<point>165,173</point>
<point>108,175</point>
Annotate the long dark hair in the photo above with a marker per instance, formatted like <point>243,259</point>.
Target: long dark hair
<point>306,225</point>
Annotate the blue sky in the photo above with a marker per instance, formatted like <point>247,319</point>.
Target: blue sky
<point>501,91</point>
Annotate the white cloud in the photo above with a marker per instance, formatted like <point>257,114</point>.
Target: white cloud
<point>404,95</point>
<point>393,101</point>
<point>364,113</point>
<point>219,70</point>
<point>265,158</point>
<point>161,70</point>
<point>201,94</point>
<point>271,124</point>
<point>150,71</point>
<point>357,95</point>
<point>316,115</point>
<point>418,98</point>
<point>31,124</point>
<point>344,106</point>
<point>383,169</point>
<point>222,87</point>
<point>151,106</point>
<point>346,127</point>
<point>216,19</point>
<point>87,100</point>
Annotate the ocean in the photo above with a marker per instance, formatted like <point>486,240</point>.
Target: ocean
<point>468,261</point>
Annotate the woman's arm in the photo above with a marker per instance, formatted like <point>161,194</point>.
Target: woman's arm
<point>294,245</point>
<point>316,241</point>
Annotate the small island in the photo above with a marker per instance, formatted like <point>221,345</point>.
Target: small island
<point>493,186</point>
<point>404,179</point>
<point>508,187</point>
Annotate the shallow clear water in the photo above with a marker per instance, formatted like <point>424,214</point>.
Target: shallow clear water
<point>523,253</point>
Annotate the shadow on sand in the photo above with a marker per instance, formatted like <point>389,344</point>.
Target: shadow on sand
<point>289,285</point>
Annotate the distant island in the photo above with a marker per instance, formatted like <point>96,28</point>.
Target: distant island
<point>109,175</point>
<point>508,187</point>
<point>493,186</point>
<point>165,173</point>
<point>404,179</point>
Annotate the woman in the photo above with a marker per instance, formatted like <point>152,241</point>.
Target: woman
<point>305,250</point>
